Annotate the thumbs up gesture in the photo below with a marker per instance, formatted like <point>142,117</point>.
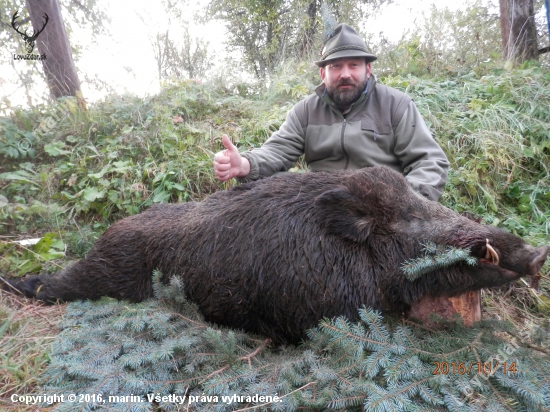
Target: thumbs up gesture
<point>228,163</point>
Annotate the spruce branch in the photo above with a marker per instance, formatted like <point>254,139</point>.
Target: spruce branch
<point>284,396</point>
<point>116,348</point>
<point>255,352</point>
<point>418,325</point>
<point>242,358</point>
<point>435,257</point>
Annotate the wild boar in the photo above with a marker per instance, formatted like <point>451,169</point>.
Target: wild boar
<point>275,256</point>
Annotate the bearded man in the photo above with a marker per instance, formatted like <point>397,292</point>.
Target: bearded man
<point>350,122</point>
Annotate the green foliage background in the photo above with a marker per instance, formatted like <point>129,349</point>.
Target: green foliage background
<point>125,153</point>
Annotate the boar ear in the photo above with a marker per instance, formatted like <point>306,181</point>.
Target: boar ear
<point>343,214</point>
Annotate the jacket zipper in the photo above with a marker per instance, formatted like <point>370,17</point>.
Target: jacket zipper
<point>342,144</point>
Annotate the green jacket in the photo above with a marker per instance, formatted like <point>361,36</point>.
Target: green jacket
<point>383,127</point>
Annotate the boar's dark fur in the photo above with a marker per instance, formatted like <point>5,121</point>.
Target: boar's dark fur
<point>277,255</point>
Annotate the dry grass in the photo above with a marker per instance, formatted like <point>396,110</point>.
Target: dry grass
<point>526,308</point>
<point>27,329</point>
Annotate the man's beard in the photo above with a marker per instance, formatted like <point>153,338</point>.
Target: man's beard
<point>345,98</point>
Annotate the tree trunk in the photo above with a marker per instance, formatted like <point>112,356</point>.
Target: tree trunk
<point>309,35</point>
<point>547,6</point>
<point>518,30</point>
<point>58,65</point>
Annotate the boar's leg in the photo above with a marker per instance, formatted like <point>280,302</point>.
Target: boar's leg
<point>120,264</point>
<point>99,274</point>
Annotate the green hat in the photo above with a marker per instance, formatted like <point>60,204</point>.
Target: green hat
<point>344,42</point>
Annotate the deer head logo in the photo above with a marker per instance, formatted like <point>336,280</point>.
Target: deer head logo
<point>28,39</point>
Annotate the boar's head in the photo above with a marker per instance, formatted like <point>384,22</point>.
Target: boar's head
<point>376,208</point>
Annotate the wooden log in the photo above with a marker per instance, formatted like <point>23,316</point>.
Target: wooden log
<point>437,312</point>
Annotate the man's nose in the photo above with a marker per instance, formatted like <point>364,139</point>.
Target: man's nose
<point>345,73</point>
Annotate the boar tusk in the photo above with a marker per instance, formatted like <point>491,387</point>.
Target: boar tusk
<point>491,254</point>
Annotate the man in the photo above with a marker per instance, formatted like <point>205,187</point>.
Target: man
<point>350,122</point>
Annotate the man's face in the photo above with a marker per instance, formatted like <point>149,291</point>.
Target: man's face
<point>345,80</point>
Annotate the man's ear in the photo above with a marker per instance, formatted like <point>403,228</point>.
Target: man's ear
<point>322,73</point>
<point>343,214</point>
